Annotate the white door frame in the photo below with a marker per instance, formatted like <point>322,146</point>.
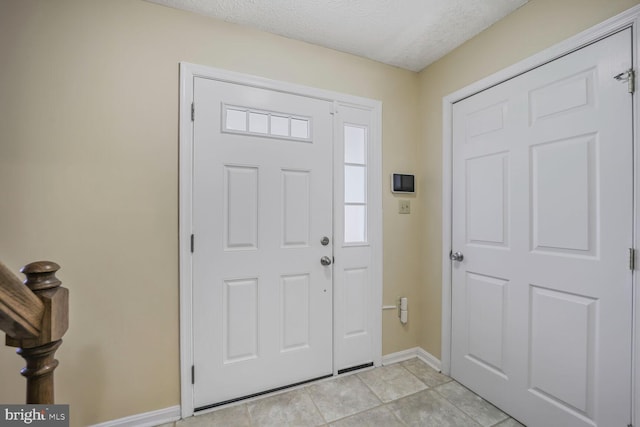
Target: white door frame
<point>627,19</point>
<point>188,72</point>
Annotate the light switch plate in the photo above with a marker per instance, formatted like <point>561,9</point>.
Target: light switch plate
<point>404,206</point>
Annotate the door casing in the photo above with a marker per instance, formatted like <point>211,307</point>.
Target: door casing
<point>187,74</point>
<point>627,19</point>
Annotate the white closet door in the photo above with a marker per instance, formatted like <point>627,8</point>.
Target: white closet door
<point>542,215</point>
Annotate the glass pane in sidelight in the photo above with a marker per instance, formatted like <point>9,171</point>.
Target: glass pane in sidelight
<point>354,145</point>
<point>354,184</point>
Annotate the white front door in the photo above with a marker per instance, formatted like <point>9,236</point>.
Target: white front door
<point>262,203</point>
<point>542,215</point>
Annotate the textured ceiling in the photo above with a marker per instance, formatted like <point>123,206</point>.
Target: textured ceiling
<point>410,34</point>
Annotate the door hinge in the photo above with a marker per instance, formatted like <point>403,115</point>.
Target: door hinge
<point>193,238</point>
<point>632,259</point>
<point>193,374</point>
<point>193,111</point>
<point>629,77</point>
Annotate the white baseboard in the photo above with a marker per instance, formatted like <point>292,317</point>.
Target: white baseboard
<point>429,359</point>
<point>148,419</point>
<point>400,356</point>
<point>418,352</point>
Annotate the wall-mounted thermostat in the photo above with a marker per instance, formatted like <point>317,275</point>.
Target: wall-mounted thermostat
<point>402,183</point>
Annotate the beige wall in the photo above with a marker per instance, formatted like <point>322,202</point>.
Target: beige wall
<point>532,28</point>
<point>89,170</point>
<point>89,179</point>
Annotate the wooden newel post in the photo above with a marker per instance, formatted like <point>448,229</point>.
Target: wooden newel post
<point>39,351</point>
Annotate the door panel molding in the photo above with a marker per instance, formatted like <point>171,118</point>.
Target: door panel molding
<point>188,74</point>
<point>627,19</point>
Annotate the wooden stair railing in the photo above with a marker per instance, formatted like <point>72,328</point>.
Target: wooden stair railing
<point>35,316</point>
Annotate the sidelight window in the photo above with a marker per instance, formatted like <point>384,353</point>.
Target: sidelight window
<point>355,184</point>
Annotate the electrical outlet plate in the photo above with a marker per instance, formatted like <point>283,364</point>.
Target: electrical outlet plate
<point>404,206</point>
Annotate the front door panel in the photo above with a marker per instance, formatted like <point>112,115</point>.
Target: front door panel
<point>262,201</point>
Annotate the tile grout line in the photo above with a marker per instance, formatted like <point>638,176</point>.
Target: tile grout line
<point>382,404</point>
<point>456,406</point>
<point>314,404</point>
<point>354,414</point>
<point>385,404</point>
<point>246,408</point>
<point>356,374</point>
<point>394,414</point>
<point>428,387</point>
<point>465,412</point>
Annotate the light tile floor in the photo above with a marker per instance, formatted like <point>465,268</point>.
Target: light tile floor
<point>408,393</point>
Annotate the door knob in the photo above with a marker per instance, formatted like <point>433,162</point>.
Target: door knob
<point>325,260</point>
<point>456,256</point>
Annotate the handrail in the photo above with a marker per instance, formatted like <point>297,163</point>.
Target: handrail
<point>35,316</point>
<point>20,309</point>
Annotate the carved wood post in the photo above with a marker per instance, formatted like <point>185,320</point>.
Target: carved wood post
<point>39,351</point>
<point>39,372</point>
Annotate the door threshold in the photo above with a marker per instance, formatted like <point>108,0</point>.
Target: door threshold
<point>262,393</point>
<point>355,368</point>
